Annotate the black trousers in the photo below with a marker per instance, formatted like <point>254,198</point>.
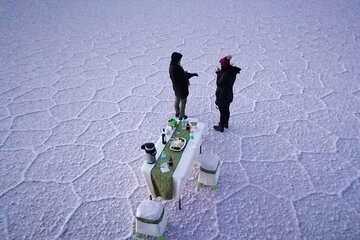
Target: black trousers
<point>224,113</point>
<point>180,104</point>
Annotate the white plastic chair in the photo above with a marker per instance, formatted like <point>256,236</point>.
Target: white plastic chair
<point>151,219</point>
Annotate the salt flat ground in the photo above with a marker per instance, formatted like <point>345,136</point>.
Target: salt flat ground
<point>85,83</point>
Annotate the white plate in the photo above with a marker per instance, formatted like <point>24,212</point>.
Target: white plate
<point>172,148</point>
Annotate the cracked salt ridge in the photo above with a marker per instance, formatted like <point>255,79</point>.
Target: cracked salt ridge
<point>63,163</point>
<point>48,203</point>
<point>294,114</point>
<point>325,212</point>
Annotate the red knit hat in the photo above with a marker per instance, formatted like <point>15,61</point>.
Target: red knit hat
<point>225,61</point>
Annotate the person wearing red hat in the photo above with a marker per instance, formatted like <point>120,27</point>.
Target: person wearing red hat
<point>225,79</point>
<point>180,82</point>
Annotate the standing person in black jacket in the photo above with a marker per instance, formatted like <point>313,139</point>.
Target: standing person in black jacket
<point>225,80</point>
<point>180,83</point>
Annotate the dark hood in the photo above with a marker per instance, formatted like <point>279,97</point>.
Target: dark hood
<point>176,57</point>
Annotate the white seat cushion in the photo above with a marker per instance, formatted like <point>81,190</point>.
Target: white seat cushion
<point>209,162</point>
<point>150,210</point>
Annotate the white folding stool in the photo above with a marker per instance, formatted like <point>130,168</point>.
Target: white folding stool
<point>151,219</point>
<point>209,170</point>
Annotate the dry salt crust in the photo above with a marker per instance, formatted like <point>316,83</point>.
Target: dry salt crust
<point>84,84</point>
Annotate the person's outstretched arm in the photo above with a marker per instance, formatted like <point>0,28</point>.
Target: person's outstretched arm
<point>190,75</point>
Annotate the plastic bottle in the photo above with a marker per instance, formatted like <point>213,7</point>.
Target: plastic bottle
<point>188,126</point>
<point>163,137</point>
<point>170,161</point>
<point>191,135</point>
<point>163,156</point>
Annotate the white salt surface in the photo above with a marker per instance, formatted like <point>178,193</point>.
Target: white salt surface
<point>85,83</point>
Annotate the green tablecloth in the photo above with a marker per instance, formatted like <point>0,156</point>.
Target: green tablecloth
<point>162,182</point>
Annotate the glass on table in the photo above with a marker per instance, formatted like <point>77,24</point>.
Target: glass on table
<point>164,167</point>
<point>163,156</point>
<point>183,124</point>
<point>168,130</point>
<point>191,135</point>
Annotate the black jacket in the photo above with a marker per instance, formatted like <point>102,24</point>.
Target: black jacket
<point>225,81</point>
<point>179,77</point>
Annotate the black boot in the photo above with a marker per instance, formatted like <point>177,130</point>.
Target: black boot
<point>219,128</point>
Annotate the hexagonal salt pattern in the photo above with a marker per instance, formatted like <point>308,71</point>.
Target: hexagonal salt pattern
<point>350,194</point>
<point>13,164</point>
<point>85,83</point>
<point>320,214</point>
<point>283,179</point>
<point>37,210</point>
<point>329,172</point>
<point>53,164</point>
<point>105,219</point>
<point>252,213</point>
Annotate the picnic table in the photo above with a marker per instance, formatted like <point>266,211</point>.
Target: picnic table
<point>178,174</point>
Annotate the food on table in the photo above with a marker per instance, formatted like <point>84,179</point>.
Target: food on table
<point>177,144</point>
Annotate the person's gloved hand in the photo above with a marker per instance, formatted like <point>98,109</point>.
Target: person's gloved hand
<point>195,75</point>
